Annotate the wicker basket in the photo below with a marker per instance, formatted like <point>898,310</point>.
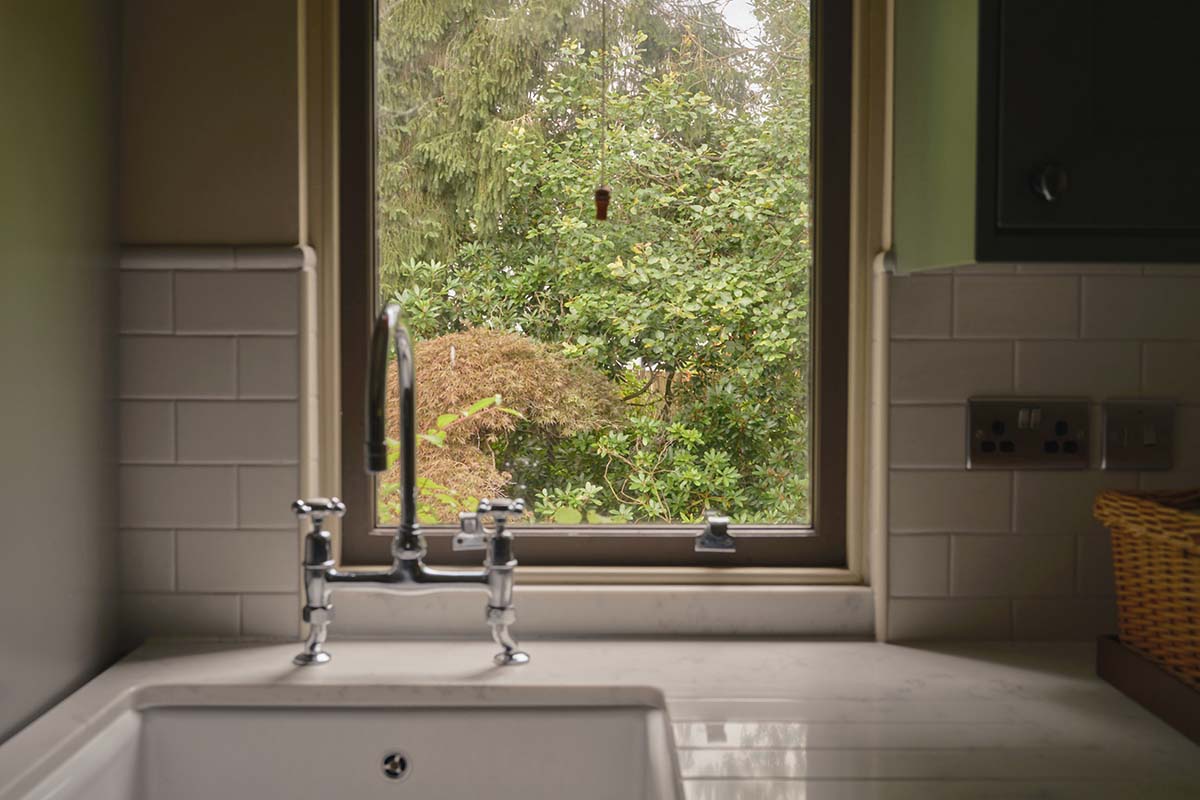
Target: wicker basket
<point>1156,561</point>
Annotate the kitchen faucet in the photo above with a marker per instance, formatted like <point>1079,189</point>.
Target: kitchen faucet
<point>408,573</point>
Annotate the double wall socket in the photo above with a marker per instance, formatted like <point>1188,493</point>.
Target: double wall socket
<point>1028,433</point>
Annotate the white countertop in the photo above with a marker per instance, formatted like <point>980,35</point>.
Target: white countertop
<point>755,719</point>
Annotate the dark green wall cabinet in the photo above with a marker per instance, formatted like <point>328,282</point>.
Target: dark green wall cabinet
<point>1046,130</point>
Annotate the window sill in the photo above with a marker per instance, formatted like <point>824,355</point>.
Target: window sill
<point>697,576</point>
<point>585,609</point>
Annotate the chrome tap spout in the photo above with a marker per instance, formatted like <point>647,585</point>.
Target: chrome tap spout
<point>408,573</point>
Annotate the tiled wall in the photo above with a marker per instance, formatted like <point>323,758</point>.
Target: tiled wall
<point>209,431</point>
<point>1000,555</point>
<point>209,381</point>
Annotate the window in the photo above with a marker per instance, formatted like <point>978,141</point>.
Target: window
<point>625,375</point>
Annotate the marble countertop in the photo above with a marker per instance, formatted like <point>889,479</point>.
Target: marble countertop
<point>766,718</point>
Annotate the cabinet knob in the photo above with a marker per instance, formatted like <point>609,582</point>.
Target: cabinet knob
<point>1050,182</point>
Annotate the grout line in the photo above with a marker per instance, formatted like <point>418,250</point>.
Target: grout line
<point>233,334</point>
<point>237,367</point>
<point>174,432</point>
<point>229,463</point>
<point>174,560</point>
<point>951,550</point>
<point>1142,369</point>
<point>237,496</point>
<point>1079,306</point>
<point>1079,539</point>
<point>1012,502</point>
<point>953,306</point>
<point>173,304</point>
<point>1014,353</point>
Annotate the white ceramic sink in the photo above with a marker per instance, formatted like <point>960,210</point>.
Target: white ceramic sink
<point>452,742</point>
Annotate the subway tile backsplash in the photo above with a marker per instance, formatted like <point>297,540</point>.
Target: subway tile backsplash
<point>210,381</point>
<point>209,416</point>
<point>1022,556</point>
<point>1016,306</point>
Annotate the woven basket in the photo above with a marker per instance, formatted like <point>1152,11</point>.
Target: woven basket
<point>1156,561</point>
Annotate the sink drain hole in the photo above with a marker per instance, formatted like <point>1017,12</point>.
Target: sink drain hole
<point>396,766</point>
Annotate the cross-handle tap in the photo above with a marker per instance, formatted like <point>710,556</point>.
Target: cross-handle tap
<point>475,534</point>
<point>408,572</point>
<point>318,561</point>
<point>412,576</point>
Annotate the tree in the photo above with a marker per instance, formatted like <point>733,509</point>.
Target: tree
<point>455,75</point>
<point>692,299</point>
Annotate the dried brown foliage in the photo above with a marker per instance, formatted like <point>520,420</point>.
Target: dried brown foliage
<point>455,370</point>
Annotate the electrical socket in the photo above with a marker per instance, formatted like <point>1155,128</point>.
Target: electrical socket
<point>1138,434</point>
<point>1028,433</point>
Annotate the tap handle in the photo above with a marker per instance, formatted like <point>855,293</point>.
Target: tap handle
<point>501,509</point>
<point>318,508</point>
<point>473,534</point>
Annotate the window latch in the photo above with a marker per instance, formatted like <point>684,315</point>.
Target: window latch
<point>715,538</point>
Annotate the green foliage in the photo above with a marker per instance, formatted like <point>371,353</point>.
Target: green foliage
<point>693,298</point>
<point>432,496</point>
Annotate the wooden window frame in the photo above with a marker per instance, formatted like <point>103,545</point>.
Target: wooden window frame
<point>823,543</point>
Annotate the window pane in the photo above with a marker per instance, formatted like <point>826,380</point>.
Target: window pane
<point>641,369</point>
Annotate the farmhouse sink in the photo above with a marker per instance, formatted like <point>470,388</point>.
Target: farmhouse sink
<point>501,743</point>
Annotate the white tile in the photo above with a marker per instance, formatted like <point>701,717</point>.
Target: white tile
<point>1180,270</point>
<point>919,566</point>
<point>949,501</point>
<point>1141,308</point>
<point>1175,479</point>
<point>177,496</point>
<point>147,561</point>
<point>145,302</point>
<point>172,258</point>
<point>1083,369</point>
<point>958,618</point>
<point>1013,307</point>
<point>265,496</point>
<point>179,366</point>
<point>928,436</point>
<point>146,431</point>
<point>985,269</point>
<point>949,372</point>
<point>1060,268</point>
<point>268,367</point>
<point>202,615</point>
<point>268,258</point>
<point>1171,370</point>
<point>1186,453</point>
<point>271,616</point>
<point>1095,565</point>
<point>987,566</point>
<point>239,302</point>
<point>920,307</point>
<point>1061,502</point>
<point>238,561</point>
<point>1064,618</point>
<point>244,432</point>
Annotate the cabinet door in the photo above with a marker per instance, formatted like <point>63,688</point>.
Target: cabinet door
<point>1096,120</point>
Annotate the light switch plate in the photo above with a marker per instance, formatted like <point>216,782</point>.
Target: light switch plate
<point>1138,434</point>
<point>1028,433</point>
